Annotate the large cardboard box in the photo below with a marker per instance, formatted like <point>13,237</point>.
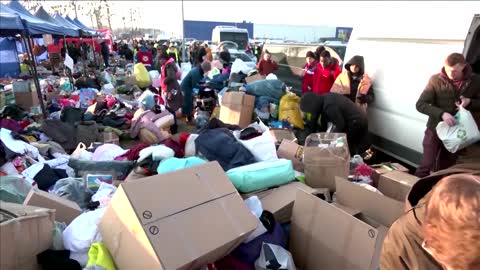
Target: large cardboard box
<point>326,155</point>
<point>256,77</point>
<point>26,100</point>
<point>279,201</point>
<point>25,231</point>
<point>345,235</point>
<point>292,151</point>
<point>65,210</point>
<point>178,220</point>
<point>237,108</point>
<point>383,168</point>
<point>396,184</point>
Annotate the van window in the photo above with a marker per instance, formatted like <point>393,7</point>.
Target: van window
<point>240,38</point>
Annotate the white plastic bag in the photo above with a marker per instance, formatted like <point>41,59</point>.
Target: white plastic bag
<point>461,135</point>
<point>81,152</point>
<point>154,74</point>
<point>82,232</point>
<point>274,257</point>
<point>262,147</point>
<point>255,205</point>
<point>239,65</point>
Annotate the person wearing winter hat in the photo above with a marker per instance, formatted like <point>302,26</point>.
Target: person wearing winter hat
<point>309,68</point>
<point>354,83</point>
<point>342,113</point>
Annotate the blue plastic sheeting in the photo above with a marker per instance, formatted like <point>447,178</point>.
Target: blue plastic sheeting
<point>34,25</point>
<point>9,63</point>
<point>10,21</point>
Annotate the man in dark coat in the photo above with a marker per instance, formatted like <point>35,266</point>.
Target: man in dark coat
<point>105,53</point>
<point>454,85</point>
<point>408,245</point>
<point>342,113</point>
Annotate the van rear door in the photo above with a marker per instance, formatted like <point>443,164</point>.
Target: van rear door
<point>471,50</point>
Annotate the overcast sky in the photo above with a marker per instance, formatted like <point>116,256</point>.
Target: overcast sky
<point>167,15</point>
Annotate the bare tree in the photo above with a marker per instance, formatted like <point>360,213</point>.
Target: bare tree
<point>32,5</point>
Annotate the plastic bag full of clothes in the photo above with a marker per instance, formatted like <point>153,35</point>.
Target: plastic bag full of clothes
<point>141,76</point>
<point>269,88</point>
<point>290,110</point>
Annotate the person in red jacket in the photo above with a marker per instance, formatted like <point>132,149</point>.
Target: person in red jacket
<point>325,73</point>
<point>309,68</point>
<point>144,56</point>
<point>266,65</point>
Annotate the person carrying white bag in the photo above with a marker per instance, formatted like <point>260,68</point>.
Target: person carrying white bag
<point>464,133</point>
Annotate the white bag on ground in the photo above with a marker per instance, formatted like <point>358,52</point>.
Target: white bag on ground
<point>83,231</point>
<point>154,74</point>
<point>255,205</point>
<point>461,135</point>
<point>262,147</point>
<point>81,152</point>
<point>274,257</point>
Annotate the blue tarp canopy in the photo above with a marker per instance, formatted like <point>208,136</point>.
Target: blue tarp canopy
<point>63,21</point>
<point>10,24</point>
<point>42,14</point>
<point>33,25</point>
<point>79,24</point>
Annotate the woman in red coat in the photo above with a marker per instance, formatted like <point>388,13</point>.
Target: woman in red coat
<point>325,73</point>
<point>308,71</point>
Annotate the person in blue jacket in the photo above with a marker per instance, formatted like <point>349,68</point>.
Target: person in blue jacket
<point>191,81</point>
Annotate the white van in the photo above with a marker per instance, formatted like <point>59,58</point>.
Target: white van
<point>230,33</point>
<point>400,55</point>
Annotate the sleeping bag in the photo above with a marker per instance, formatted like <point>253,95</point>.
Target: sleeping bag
<point>262,175</point>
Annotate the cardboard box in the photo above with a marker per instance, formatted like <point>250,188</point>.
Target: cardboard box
<point>109,137</point>
<point>256,77</point>
<point>323,164</point>
<point>396,184</point>
<point>292,151</point>
<point>345,235</point>
<point>279,201</point>
<point>26,100</point>
<point>65,210</point>
<point>237,108</point>
<point>178,220</point>
<point>383,168</point>
<point>25,231</point>
<point>22,86</point>
<point>282,134</point>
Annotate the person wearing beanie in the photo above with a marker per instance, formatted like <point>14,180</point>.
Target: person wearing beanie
<point>308,71</point>
<point>266,65</point>
<point>337,109</point>
<point>325,73</point>
<point>354,83</point>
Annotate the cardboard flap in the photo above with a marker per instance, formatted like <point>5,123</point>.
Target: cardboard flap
<point>381,208</point>
<point>11,211</point>
<point>325,237</point>
<point>198,185</point>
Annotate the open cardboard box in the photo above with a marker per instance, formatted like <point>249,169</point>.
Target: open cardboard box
<point>292,151</point>
<point>383,168</point>
<point>396,184</point>
<point>345,235</point>
<point>279,201</point>
<point>237,108</point>
<point>65,210</point>
<point>179,220</point>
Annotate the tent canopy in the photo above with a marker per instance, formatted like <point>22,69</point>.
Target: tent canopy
<point>10,24</point>
<point>42,14</point>
<point>34,25</point>
<point>79,24</point>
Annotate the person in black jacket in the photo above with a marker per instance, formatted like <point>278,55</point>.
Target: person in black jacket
<point>105,53</point>
<point>342,113</point>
